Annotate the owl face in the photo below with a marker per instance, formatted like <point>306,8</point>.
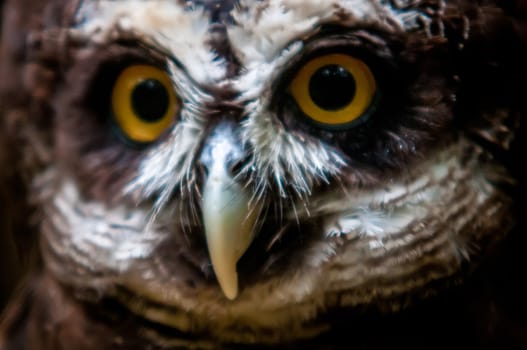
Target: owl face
<point>250,166</point>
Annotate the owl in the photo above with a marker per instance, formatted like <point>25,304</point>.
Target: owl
<point>287,174</point>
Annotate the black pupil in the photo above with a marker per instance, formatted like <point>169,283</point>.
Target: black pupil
<point>332,87</point>
<point>150,100</point>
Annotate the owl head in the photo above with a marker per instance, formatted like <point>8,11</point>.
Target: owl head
<point>227,165</point>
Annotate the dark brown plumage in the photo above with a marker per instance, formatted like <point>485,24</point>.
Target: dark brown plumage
<point>460,74</point>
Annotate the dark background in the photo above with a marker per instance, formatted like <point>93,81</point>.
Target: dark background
<point>9,267</point>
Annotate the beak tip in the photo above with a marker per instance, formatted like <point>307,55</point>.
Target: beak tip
<point>232,295</point>
<point>229,285</point>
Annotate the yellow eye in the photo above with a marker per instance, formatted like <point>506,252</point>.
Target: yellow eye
<point>334,89</point>
<point>143,103</point>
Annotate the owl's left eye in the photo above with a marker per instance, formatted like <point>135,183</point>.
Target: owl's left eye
<point>334,90</point>
<point>143,103</point>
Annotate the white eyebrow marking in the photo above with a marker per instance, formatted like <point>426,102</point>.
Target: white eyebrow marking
<point>182,32</point>
<point>263,29</point>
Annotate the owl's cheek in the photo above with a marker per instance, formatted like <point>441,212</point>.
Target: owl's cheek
<point>87,240</point>
<point>417,229</point>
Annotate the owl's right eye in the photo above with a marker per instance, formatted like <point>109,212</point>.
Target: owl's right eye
<point>334,90</point>
<point>143,103</point>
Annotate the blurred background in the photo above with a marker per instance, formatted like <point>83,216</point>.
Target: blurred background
<point>9,270</point>
<point>9,267</point>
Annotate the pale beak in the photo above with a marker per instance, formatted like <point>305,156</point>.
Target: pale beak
<point>228,217</point>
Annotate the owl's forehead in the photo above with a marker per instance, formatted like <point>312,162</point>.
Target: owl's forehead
<point>256,30</point>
